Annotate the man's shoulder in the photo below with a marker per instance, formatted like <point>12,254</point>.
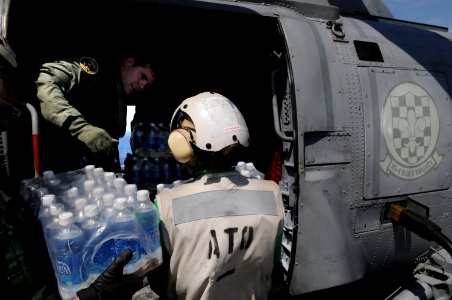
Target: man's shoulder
<point>88,63</point>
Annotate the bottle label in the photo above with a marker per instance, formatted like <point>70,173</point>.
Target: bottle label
<point>70,269</point>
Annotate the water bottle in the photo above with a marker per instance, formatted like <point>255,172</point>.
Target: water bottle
<point>50,179</point>
<point>254,173</point>
<point>36,199</point>
<point>150,172</point>
<point>89,172</point>
<point>27,186</point>
<point>99,176</point>
<point>150,144</point>
<point>67,248</point>
<point>123,228</point>
<point>98,192</point>
<point>155,165</point>
<point>99,248</point>
<point>44,211</point>
<point>181,171</point>
<point>159,138</point>
<point>137,142</point>
<point>53,226</point>
<point>107,205</point>
<point>88,186</point>
<point>162,138</point>
<point>240,166</point>
<point>79,215</point>
<point>92,221</point>
<point>245,173</point>
<point>119,184</point>
<point>166,172</point>
<point>177,182</point>
<point>147,218</point>
<point>51,182</point>
<point>76,178</point>
<point>135,171</point>
<point>71,195</point>
<point>176,170</point>
<point>160,187</point>
<point>109,178</point>
<point>130,191</point>
<point>146,171</point>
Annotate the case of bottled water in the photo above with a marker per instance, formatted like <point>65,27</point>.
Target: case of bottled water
<point>151,161</point>
<point>85,231</point>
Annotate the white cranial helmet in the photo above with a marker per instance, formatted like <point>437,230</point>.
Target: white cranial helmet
<point>217,121</point>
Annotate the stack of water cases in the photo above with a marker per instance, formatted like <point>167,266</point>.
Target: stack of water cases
<point>89,217</point>
<point>151,162</point>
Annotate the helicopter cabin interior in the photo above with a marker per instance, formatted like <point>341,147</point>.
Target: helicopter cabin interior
<point>233,53</point>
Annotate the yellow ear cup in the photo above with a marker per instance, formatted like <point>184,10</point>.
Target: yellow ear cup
<point>178,142</point>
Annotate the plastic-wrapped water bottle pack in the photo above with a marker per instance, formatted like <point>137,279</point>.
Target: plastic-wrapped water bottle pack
<point>88,218</point>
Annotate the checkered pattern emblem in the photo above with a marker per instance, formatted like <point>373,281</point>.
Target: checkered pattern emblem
<point>411,125</point>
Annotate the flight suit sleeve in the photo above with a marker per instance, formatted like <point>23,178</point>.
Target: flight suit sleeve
<point>54,81</point>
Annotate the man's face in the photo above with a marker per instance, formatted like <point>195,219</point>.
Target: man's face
<point>135,78</point>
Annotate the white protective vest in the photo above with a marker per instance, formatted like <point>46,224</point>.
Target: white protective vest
<point>220,231</point>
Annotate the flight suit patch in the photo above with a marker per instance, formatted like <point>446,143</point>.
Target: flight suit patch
<point>89,65</point>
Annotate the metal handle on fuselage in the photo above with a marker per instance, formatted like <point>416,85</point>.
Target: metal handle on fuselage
<point>276,112</point>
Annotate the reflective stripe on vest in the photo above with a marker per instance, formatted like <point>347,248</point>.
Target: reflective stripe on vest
<point>223,203</point>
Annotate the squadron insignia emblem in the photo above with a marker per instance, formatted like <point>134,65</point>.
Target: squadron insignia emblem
<point>410,126</point>
<point>89,65</point>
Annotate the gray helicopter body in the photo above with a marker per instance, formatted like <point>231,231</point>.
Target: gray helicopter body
<point>358,103</point>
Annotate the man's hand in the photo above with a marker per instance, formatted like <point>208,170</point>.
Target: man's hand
<point>98,141</point>
<point>112,284</point>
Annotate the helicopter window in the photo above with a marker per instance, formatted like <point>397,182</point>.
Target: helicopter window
<point>368,51</point>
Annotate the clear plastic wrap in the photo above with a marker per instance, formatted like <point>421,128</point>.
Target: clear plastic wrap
<point>105,235</point>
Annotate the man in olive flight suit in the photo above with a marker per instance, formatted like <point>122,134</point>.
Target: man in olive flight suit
<point>82,101</point>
